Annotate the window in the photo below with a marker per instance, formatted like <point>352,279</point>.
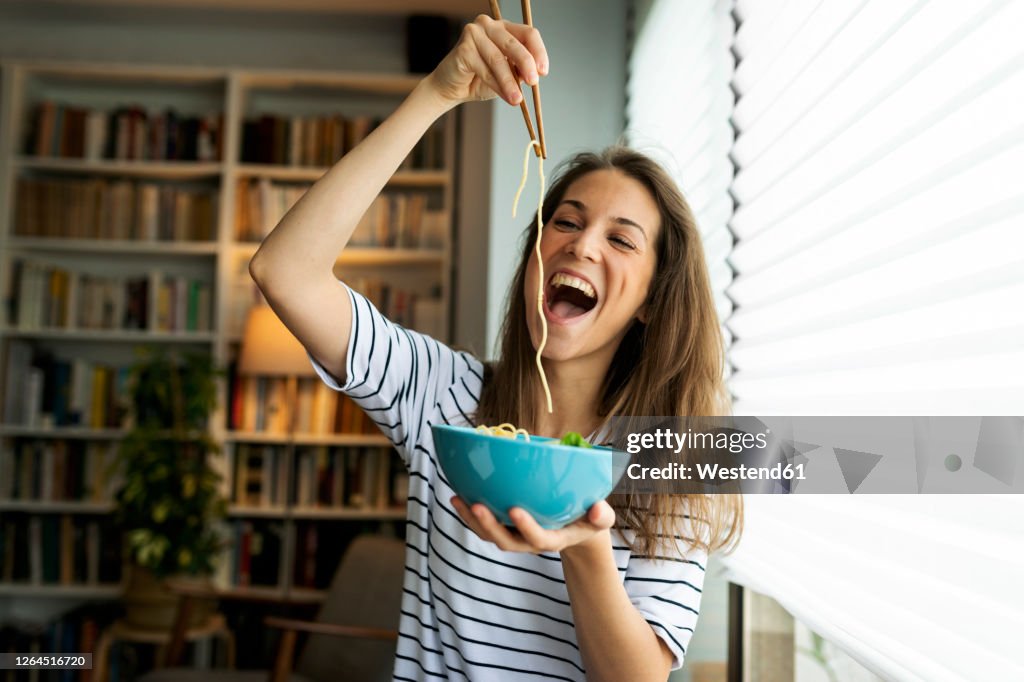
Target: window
<point>876,266</point>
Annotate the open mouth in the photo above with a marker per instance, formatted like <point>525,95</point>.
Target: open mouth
<point>568,297</point>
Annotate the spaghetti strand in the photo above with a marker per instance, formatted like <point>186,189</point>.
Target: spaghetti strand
<point>540,263</point>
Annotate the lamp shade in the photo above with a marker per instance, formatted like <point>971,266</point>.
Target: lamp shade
<point>269,348</point>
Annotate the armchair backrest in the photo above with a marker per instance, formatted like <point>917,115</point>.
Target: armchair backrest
<point>366,591</point>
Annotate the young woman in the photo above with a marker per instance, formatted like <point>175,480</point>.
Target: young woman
<point>632,331</point>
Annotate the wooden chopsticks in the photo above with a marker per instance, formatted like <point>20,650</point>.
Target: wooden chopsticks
<point>528,18</point>
<point>542,149</point>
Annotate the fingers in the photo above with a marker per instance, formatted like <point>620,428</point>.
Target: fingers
<point>601,516</point>
<point>491,58</point>
<point>475,64</point>
<point>509,52</point>
<point>530,536</point>
<point>539,538</point>
<point>497,533</point>
<point>509,39</point>
<point>495,61</point>
<point>530,38</point>
<point>466,515</point>
<point>482,522</point>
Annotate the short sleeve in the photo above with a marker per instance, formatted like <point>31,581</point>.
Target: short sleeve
<point>667,591</point>
<point>397,375</point>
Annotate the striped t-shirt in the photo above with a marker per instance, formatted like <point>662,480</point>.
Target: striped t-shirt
<point>470,610</point>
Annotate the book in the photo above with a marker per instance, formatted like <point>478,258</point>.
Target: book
<point>265,547</point>
<point>16,368</point>
<point>244,552</point>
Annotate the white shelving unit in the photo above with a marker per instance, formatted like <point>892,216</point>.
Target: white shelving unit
<point>237,94</point>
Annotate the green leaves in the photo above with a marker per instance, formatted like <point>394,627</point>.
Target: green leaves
<point>147,547</point>
<point>170,497</point>
<point>575,440</point>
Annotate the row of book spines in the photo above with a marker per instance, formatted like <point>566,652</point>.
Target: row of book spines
<point>394,219</point>
<point>319,548</point>
<point>256,559</point>
<point>260,404</point>
<point>307,556</point>
<point>66,635</point>
<point>120,209</point>
<point>322,477</point>
<point>48,296</point>
<point>126,133</point>
<point>402,220</point>
<point>322,140</point>
<point>260,205</point>
<point>58,470</point>
<point>424,313</point>
<point>261,476</point>
<point>40,390</point>
<point>350,478</point>
<point>59,550</point>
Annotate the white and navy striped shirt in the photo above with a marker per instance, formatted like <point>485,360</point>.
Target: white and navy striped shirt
<point>470,610</point>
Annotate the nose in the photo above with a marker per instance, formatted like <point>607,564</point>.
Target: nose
<point>585,245</point>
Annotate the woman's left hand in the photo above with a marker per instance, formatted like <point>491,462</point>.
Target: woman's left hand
<point>528,535</point>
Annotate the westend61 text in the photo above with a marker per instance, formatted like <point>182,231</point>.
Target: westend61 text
<point>714,472</point>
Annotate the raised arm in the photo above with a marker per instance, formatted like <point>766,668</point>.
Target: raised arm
<point>294,265</point>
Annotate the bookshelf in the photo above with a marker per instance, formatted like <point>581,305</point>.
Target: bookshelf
<point>131,200</point>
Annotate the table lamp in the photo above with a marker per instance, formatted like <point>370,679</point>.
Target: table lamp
<point>269,349</point>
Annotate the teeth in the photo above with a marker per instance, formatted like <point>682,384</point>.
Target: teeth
<point>564,280</point>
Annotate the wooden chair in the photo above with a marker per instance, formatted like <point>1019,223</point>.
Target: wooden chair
<point>352,638</point>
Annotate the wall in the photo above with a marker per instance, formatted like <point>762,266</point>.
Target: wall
<point>203,38</point>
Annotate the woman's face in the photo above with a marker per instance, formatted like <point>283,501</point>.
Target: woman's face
<point>599,258</point>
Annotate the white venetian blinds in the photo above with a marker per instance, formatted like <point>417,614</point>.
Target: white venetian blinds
<point>922,588</point>
<point>678,108</point>
<point>879,268</point>
<point>880,207</point>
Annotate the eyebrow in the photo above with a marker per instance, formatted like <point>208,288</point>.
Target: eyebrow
<point>622,221</point>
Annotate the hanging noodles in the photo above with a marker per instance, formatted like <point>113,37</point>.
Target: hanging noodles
<point>540,263</point>
<point>508,430</point>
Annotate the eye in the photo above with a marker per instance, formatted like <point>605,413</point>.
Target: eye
<point>623,242</point>
<point>567,225</point>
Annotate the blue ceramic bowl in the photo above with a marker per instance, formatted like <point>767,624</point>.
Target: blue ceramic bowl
<point>556,483</point>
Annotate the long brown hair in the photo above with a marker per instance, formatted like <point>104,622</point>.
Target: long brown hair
<point>672,365</point>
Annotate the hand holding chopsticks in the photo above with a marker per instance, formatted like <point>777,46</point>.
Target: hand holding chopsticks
<point>492,58</point>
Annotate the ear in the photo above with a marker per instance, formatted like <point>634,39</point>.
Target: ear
<point>643,312</point>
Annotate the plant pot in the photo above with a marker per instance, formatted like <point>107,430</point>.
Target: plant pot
<point>150,605</point>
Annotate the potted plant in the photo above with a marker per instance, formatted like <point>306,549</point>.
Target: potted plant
<point>169,499</point>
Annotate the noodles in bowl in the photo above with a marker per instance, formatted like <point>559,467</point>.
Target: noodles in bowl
<point>555,483</point>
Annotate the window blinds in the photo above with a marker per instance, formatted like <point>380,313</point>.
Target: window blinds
<point>916,588</point>
<point>678,108</point>
<point>880,261</point>
<point>880,255</point>
<point>879,268</point>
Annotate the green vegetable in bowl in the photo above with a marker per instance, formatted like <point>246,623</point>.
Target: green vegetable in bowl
<point>575,440</point>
